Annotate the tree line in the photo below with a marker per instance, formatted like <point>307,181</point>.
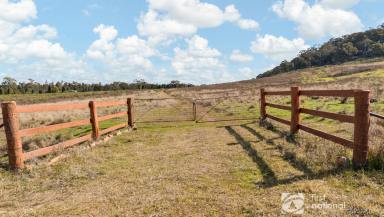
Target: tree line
<point>368,44</point>
<point>11,86</point>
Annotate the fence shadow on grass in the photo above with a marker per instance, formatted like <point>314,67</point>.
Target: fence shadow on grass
<point>287,156</point>
<point>269,177</point>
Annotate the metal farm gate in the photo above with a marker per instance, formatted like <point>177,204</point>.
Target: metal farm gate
<point>243,107</point>
<point>151,110</point>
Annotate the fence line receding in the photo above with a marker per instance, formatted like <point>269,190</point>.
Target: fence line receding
<point>360,119</point>
<point>13,133</point>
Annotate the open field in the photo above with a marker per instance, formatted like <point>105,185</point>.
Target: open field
<point>185,169</point>
<point>209,168</point>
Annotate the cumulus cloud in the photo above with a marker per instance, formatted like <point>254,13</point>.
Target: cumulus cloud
<point>107,33</point>
<point>29,50</point>
<point>324,18</point>
<point>247,73</point>
<point>199,62</point>
<point>343,4</point>
<point>237,56</point>
<point>248,24</point>
<point>103,47</point>
<point>161,28</point>
<point>16,12</point>
<point>121,56</point>
<point>166,19</point>
<point>278,48</point>
<point>20,42</point>
<point>231,14</point>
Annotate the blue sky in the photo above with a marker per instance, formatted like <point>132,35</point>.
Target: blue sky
<point>196,41</point>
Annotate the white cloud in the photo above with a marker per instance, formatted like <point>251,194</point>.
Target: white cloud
<point>133,45</point>
<point>107,33</point>
<point>16,12</point>
<point>160,28</point>
<point>321,19</point>
<point>18,42</point>
<point>121,56</point>
<point>237,56</point>
<point>247,73</point>
<point>248,24</point>
<point>39,32</point>
<point>343,4</point>
<point>231,13</point>
<point>67,69</point>
<point>198,62</point>
<point>102,47</point>
<point>278,48</point>
<point>166,19</point>
<point>193,12</point>
<point>28,50</point>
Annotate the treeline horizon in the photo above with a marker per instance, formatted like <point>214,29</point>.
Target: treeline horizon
<point>368,44</point>
<point>12,86</point>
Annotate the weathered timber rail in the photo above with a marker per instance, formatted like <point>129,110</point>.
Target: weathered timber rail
<point>13,133</point>
<point>361,118</point>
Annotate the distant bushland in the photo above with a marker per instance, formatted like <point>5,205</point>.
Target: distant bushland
<point>11,86</point>
<point>368,44</point>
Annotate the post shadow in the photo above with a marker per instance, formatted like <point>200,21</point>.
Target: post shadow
<point>287,156</point>
<point>269,177</point>
<point>293,161</point>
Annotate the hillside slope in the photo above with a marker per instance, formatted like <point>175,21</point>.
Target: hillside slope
<point>360,45</point>
<point>363,74</point>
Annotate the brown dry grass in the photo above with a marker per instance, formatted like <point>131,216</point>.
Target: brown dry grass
<point>221,169</point>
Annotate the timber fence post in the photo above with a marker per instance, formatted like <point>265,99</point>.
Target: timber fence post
<point>263,110</point>
<point>295,109</point>
<point>11,127</point>
<point>131,118</point>
<point>94,120</point>
<point>361,130</point>
<point>194,111</point>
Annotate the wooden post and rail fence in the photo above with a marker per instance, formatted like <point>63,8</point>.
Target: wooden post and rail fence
<point>361,121</point>
<point>13,133</point>
<point>361,118</point>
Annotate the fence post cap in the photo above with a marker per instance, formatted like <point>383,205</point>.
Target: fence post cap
<point>8,102</point>
<point>361,91</point>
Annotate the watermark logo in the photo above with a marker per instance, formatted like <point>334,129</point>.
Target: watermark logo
<point>292,203</point>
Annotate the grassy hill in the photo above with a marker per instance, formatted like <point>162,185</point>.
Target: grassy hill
<point>360,45</point>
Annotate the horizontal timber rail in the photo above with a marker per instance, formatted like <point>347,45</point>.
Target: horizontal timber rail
<point>341,141</point>
<point>376,115</point>
<point>334,93</point>
<point>224,97</point>
<point>278,93</point>
<point>279,106</point>
<point>50,108</point>
<point>361,118</point>
<point>11,111</point>
<point>329,115</point>
<point>278,119</point>
<point>158,99</point>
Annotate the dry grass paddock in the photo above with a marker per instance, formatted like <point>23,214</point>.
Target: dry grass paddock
<point>210,168</point>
